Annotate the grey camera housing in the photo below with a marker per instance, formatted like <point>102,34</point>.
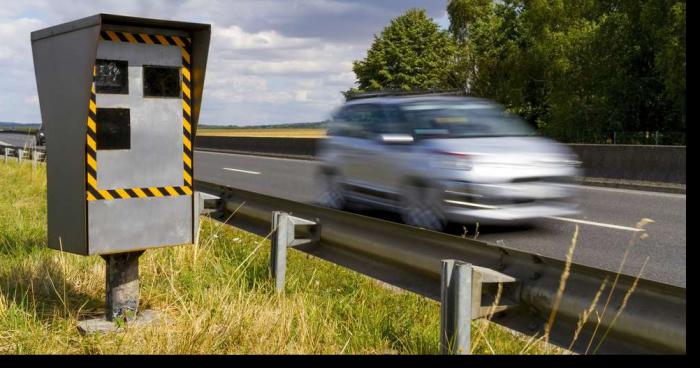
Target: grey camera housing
<point>133,191</point>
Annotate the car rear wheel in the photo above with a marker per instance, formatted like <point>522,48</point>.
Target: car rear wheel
<point>420,207</point>
<point>332,194</point>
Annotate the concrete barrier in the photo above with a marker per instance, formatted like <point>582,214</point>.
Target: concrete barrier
<point>283,147</point>
<point>665,164</point>
<point>629,162</point>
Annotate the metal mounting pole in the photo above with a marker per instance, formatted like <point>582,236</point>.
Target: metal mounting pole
<point>122,296</point>
<point>455,307</point>
<point>122,285</point>
<point>284,228</point>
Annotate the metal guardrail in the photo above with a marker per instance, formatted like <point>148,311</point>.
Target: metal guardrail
<point>22,153</point>
<point>652,319</point>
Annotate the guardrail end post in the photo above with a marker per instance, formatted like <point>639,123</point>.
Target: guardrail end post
<point>455,307</point>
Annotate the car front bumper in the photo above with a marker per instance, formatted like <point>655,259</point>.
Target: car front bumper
<point>512,202</point>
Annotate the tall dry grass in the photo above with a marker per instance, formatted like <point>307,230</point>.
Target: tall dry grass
<point>216,297</point>
<point>585,314</point>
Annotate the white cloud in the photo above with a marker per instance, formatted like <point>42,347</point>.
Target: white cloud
<point>235,38</point>
<point>296,79</point>
<point>270,61</point>
<point>18,95</point>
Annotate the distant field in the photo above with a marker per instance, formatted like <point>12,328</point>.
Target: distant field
<point>286,132</point>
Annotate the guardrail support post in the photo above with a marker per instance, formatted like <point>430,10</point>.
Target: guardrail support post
<point>278,253</point>
<point>20,153</point>
<point>35,154</point>
<point>284,231</point>
<point>7,153</point>
<point>455,307</point>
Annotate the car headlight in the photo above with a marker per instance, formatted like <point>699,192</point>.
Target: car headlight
<point>452,161</point>
<point>453,164</point>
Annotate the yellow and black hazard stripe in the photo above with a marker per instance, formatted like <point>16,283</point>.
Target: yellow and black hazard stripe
<point>93,192</point>
<point>150,39</point>
<point>186,114</point>
<point>91,145</point>
<point>109,194</point>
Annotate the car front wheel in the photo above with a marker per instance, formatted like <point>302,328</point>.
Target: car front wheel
<point>331,191</point>
<point>420,207</point>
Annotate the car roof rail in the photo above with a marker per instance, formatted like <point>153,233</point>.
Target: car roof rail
<point>400,93</point>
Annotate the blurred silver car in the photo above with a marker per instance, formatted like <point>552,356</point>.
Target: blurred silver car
<point>436,159</point>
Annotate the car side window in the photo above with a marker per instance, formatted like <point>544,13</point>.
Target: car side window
<point>341,125</point>
<point>394,122</point>
<point>358,121</point>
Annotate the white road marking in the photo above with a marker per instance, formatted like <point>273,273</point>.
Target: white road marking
<point>610,226</point>
<point>243,171</point>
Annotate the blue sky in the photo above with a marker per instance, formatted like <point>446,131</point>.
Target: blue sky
<point>271,61</point>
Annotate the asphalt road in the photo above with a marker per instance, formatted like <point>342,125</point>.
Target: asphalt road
<point>14,139</point>
<point>606,223</point>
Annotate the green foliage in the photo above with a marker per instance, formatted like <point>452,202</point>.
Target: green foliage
<point>464,13</point>
<point>576,70</point>
<point>411,53</point>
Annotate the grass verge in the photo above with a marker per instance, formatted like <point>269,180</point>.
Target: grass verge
<point>217,297</point>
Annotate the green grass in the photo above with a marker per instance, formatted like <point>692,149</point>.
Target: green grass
<point>216,297</point>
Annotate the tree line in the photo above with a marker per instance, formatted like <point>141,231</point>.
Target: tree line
<point>574,69</point>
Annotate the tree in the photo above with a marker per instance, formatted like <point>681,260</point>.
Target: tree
<point>463,13</point>
<point>411,53</point>
<point>466,16</point>
<point>577,69</point>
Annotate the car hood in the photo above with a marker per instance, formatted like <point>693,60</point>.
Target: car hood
<point>500,146</point>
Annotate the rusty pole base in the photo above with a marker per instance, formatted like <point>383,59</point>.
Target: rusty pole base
<point>122,296</point>
<point>102,325</point>
<point>122,285</point>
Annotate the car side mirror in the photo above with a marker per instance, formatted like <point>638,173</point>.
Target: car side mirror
<point>395,138</point>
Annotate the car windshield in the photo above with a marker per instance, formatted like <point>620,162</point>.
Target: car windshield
<point>448,119</point>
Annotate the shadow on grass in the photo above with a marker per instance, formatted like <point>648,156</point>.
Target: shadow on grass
<point>41,289</point>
